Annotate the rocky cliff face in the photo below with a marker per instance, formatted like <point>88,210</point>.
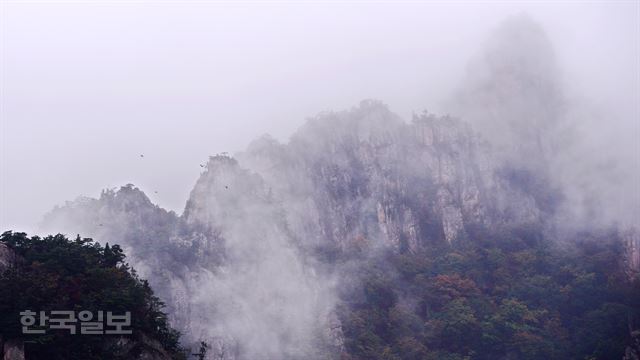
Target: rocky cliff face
<point>243,267</point>
<point>365,174</point>
<point>252,265</point>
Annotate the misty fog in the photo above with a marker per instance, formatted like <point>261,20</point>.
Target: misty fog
<point>275,168</point>
<point>89,87</point>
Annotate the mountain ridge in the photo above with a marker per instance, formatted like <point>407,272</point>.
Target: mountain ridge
<point>288,221</point>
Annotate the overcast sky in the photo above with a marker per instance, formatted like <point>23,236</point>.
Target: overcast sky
<point>89,86</point>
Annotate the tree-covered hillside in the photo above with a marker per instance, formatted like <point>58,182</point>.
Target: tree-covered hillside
<point>58,274</point>
<point>506,294</point>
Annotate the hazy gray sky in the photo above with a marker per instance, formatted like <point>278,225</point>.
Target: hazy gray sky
<point>89,86</point>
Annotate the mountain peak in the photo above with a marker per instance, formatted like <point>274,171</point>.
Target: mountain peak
<point>512,93</point>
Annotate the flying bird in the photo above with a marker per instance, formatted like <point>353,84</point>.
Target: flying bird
<point>141,155</point>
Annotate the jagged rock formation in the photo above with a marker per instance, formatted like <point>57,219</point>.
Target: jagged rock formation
<point>221,265</point>
<point>366,175</point>
<point>258,228</point>
<point>252,266</point>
